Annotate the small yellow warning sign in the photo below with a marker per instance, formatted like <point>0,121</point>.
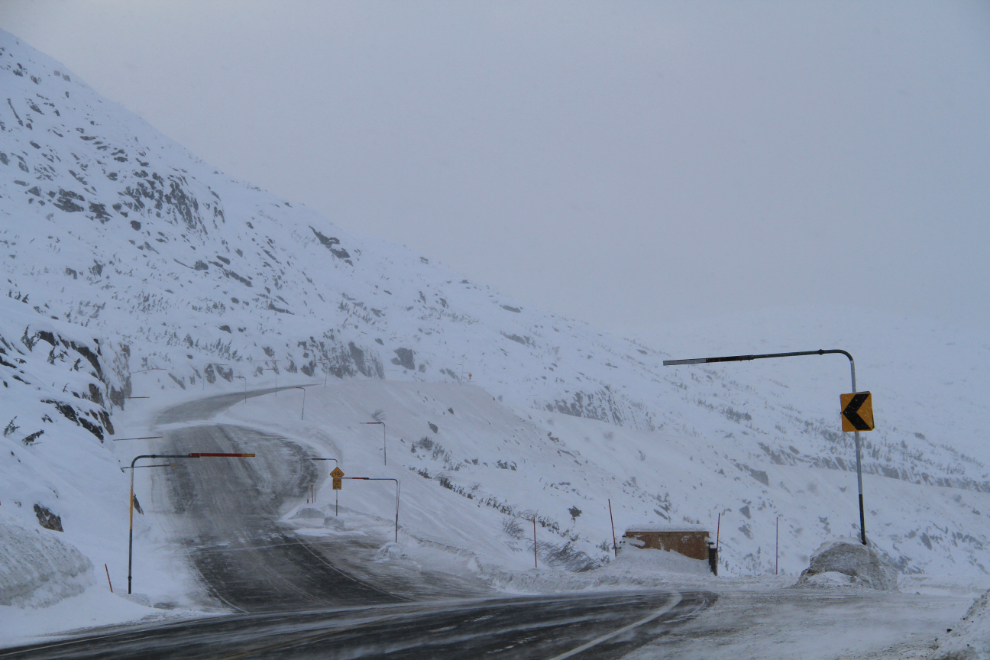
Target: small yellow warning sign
<point>337,473</point>
<point>337,483</point>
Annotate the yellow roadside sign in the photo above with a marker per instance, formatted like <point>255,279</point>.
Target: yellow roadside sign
<point>337,483</point>
<point>857,411</point>
<point>337,474</point>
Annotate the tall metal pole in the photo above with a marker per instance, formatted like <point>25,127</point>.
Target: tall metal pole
<point>303,415</point>
<point>130,535</point>
<point>397,486</point>
<point>833,351</point>
<point>535,565</point>
<point>384,447</point>
<point>615,548</point>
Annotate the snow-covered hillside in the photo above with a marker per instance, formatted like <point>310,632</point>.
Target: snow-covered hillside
<point>118,241</point>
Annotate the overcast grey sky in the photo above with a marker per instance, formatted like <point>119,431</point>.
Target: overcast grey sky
<point>623,163</point>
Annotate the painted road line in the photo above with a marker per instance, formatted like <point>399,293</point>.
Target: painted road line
<point>676,598</point>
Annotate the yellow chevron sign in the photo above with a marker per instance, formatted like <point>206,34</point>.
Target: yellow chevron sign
<point>857,411</point>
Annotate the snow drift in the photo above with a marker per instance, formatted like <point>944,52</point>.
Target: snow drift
<point>857,562</point>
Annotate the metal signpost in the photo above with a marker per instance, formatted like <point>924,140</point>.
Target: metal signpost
<point>130,534</point>
<point>854,409</point>
<point>337,475</point>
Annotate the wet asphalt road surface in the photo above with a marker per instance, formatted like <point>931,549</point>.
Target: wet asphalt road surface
<point>325,597</point>
<point>599,626</point>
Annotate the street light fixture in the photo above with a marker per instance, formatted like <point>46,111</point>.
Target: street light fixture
<point>275,369</point>
<point>326,371</point>
<point>303,415</point>
<point>834,351</point>
<point>130,534</point>
<point>396,497</point>
<point>384,448</point>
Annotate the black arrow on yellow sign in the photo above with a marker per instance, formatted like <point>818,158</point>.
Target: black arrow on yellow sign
<point>857,411</point>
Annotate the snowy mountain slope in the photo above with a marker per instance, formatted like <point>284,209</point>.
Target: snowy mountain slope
<point>60,484</point>
<point>110,228</point>
<point>454,446</point>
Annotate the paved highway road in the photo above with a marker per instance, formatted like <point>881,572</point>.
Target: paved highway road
<point>600,626</point>
<point>326,597</point>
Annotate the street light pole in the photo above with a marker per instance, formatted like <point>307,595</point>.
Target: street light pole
<point>303,415</point>
<point>130,534</point>
<point>384,449</point>
<point>834,351</point>
<point>396,498</point>
<point>275,369</point>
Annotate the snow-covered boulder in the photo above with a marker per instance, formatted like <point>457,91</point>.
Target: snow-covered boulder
<point>970,640</point>
<point>845,561</point>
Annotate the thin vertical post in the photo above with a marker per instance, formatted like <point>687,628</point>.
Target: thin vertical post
<point>534,542</point>
<point>718,530</point>
<point>302,415</point>
<point>130,531</point>
<point>384,446</point>
<point>776,559</point>
<point>615,547</point>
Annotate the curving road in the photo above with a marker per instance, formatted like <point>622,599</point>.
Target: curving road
<point>326,597</point>
<point>600,626</point>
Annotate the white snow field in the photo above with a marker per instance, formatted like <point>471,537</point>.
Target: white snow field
<point>133,269</point>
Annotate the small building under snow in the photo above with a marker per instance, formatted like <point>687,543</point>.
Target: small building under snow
<point>693,541</point>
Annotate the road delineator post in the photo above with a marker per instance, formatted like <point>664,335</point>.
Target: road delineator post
<point>130,534</point>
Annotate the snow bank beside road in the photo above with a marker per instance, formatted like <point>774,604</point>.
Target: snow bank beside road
<point>37,569</point>
<point>971,639</point>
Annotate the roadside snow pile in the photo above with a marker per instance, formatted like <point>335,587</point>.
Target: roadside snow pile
<point>845,561</point>
<point>650,560</point>
<point>971,640</point>
<point>37,569</point>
